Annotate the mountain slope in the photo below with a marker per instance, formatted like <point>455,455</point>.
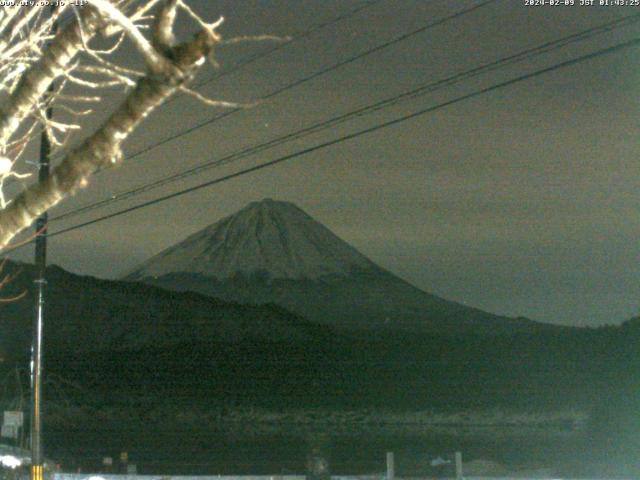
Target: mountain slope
<point>86,314</point>
<point>269,238</point>
<point>141,360</point>
<point>273,252</point>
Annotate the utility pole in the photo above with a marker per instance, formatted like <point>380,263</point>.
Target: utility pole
<point>37,458</point>
<point>38,324</point>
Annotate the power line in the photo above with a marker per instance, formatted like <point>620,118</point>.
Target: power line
<point>253,58</point>
<point>308,78</point>
<point>414,93</point>
<point>316,74</point>
<point>306,151</point>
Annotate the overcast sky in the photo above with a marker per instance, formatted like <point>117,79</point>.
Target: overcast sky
<point>523,201</point>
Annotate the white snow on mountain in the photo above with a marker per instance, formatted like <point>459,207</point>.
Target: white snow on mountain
<point>271,238</point>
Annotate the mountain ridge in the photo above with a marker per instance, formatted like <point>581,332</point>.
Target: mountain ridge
<point>274,237</point>
<point>274,252</point>
<point>86,314</point>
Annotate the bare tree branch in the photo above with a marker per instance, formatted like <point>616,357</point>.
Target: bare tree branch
<point>52,64</point>
<point>8,278</point>
<point>153,59</point>
<point>170,68</point>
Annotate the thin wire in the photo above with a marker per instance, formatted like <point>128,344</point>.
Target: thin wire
<point>412,94</point>
<point>313,76</point>
<point>301,81</point>
<point>254,58</point>
<point>251,59</point>
<point>306,151</point>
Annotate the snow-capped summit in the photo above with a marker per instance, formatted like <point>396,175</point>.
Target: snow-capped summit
<point>270,238</point>
<point>272,252</point>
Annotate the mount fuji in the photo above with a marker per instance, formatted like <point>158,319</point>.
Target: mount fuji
<point>274,252</point>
